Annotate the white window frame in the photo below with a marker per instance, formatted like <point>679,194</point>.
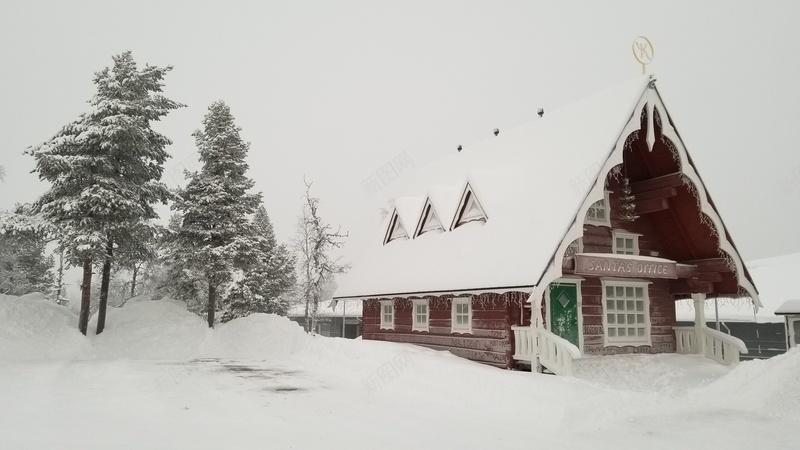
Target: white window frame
<point>396,230</point>
<point>612,338</point>
<point>415,325</point>
<point>454,325</point>
<point>468,199</point>
<point>384,324</point>
<point>625,236</point>
<point>592,219</point>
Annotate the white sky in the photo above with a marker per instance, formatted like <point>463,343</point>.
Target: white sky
<point>336,90</point>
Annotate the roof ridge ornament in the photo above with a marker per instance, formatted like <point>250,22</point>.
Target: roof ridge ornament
<point>643,52</point>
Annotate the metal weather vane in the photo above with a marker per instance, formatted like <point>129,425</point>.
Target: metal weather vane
<point>643,52</point>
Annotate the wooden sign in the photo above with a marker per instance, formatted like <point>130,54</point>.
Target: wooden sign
<point>611,266</point>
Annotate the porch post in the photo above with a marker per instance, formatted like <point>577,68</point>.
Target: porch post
<point>700,321</point>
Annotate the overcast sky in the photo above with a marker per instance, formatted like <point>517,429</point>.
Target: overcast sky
<point>337,90</point>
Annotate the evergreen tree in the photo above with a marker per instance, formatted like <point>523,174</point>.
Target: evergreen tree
<point>135,254</point>
<point>24,264</point>
<point>266,274</point>
<point>216,206</point>
<point>105,170</point>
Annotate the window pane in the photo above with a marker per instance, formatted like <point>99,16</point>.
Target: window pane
<point>631,318</point>
<point>631,332</point>
<point>629,243</point>
<point>622,332</point>
<point>640,305</point>
<point>641,332</point>
<point>629,305</point>
<point>629,291</point>
<point>610,318</point>
<point>620,305</point>
<point>620,243</point>
<point>640,318</point>
<point>621,318</point>
<point>612,332</point>
<point>610,304</point>
<point>620,291</point>
<point>609,291</point>
<point>639,292</point>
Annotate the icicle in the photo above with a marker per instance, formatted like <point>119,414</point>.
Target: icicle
<point>651,126</point>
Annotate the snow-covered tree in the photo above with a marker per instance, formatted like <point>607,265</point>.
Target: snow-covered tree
<point>265,275</point>
<point>215,206</point>
<point>136,254</point>
<point>25,265</point>
<point>314,242</point>
<point>105,170</point>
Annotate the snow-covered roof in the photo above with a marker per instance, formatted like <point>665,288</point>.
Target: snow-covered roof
<point>789,307</point>
<point>550,162</point>
<point>531,182</point>
<point>350,309</point>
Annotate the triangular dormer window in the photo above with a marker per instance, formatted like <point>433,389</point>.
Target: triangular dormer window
<point>396,229</point>
<point>469,209</point>
<point>429,220</point>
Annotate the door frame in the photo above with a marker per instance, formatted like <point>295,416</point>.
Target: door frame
<point>577,282</point>
<point>791,338</point>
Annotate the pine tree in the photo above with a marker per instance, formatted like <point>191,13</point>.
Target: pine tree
<point>265,275</point>
<point>105,169</point>
<point>24,264</point>
<point>215,207</point>
<point>314,242</point>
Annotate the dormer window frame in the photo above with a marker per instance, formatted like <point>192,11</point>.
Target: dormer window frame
<point>468,199</point>
<point>428,211</point>
<point>394,222</point>
<point>591,213</point>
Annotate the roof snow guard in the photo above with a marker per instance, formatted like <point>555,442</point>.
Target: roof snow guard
<point>530,180</point>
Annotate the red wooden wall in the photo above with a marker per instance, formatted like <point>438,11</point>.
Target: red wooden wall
<point>490,342</point>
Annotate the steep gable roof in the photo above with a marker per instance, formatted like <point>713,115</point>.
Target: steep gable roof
<point>535,180</point>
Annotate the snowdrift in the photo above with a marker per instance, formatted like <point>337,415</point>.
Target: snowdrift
<point>161,329</point>
<point>34,328</point>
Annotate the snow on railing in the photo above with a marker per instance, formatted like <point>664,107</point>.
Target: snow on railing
<point>722,348</point>
<point>524,343</point>
<point>556,353</point>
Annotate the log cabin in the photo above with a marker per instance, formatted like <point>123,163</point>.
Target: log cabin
<point>569,236</point>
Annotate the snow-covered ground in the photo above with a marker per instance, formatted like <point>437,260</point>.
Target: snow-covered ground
<point>158,379</point>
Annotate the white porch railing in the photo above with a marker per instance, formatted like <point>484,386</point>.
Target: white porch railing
<point>524,343</point>
<point>556,353</point>
<point>722,348</point>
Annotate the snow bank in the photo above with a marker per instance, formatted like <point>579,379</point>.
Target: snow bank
<point>769,386</point>
<point>257,336</point>
<point>161,329</point>
<point>34,328</point>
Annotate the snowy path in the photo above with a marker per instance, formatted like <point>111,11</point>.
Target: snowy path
<point>130,404</point>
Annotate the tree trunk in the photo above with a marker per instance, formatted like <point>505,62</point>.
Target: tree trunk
<point>133,280</point>
<point>212,300</point>
<point>60,276</point>
<point>307,322</point>
<point>86,290</point>
<point>105,281</point>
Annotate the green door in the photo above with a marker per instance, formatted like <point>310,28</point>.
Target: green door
<point>564,311</point>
